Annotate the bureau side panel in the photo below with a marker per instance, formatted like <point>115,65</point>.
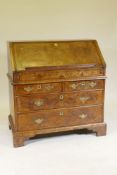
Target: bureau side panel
<point>12,103</point>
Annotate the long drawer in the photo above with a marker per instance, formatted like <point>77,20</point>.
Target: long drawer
<point>37,102</point>
<point>35,76</point>
<point>60,118</point>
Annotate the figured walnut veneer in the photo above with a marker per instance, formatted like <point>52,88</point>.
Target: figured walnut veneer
<point>55,86</point>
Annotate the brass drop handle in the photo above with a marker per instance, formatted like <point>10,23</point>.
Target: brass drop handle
<point>74,85</point>
<point>83,116</point>
<point>39,120</point>
<point>49,87</point>
<point>92,84</point>
<point>83,83</point>
<point>28,89</point>
<point>39,102</point>
<point>84,99</point>
<point>61,113</point>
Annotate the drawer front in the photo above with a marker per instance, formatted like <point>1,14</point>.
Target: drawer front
<point>60,118</point>
<point>56,75</point>
<point>83,85</point>
<point>38,88</point>
<point>63,100</point>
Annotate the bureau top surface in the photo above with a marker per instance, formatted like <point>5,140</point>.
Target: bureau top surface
<point>41,54</point>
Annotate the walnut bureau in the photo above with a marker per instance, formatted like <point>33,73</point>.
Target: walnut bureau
<point>55,86</point>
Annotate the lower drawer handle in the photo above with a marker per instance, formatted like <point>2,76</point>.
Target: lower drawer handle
<point>83,116</point>
<point>39,120</point>
<point>61,113</point>
<point>39,103</point>
<point>84,99</point>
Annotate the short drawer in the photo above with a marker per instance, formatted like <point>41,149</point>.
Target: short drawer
<point>62,100</point>
<point>37,88</point>
<point>84,85</point>
<point>45,119</point>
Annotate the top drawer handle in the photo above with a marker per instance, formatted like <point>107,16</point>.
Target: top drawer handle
<point>49,87</point>
<point>28,89</point>
<point>74,86</point>
<point>83,84</point>
<point>92,84</point>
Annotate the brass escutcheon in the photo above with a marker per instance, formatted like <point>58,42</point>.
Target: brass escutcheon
<point>61,97</point>
<point>39,86</point>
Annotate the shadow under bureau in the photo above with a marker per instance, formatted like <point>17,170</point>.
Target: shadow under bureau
<point>55,86</point>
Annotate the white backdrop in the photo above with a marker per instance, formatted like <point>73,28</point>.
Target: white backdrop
<point>63,19</point>
<point>60,19</point>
